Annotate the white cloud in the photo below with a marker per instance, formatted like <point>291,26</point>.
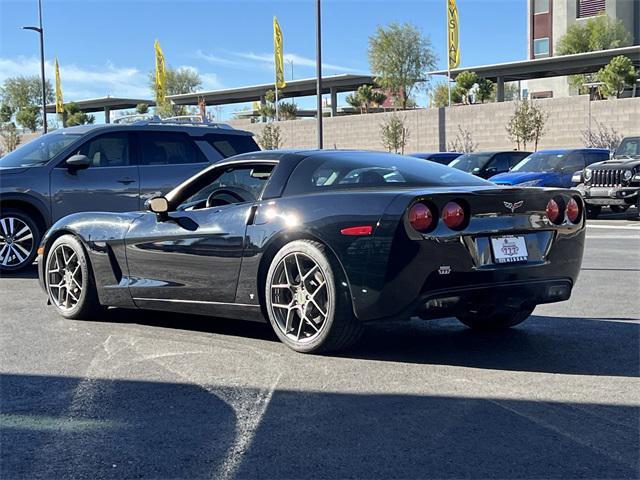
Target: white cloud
<point>80,82</point>
<point>244,60</point>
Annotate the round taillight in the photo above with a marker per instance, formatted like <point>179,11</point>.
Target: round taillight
<point>573,210</point>
<point>553,211</point>
<point>453,215</point>
<point>421,217</point>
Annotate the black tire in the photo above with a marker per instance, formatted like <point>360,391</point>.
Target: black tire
<point>619,208</point>
<point>30,244</point>
<point>496,321</point>
<point>340,328</point>
<point>87,305</point>
<point>593,211</point>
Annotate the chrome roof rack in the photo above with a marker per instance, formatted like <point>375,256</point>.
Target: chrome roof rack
<point>183,120</point>
<point>135,118</point>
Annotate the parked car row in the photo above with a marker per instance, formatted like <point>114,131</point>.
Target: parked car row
<point>602,177</point>
<point>544,168</point>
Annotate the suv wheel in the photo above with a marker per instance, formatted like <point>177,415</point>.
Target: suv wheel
<point>19,240</point>
<point>619,208</point>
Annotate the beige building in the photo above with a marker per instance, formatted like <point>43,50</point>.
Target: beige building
<point>548,21</point>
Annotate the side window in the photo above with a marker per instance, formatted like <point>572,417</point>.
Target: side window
<point>168,148</point>
<point>514,158</point>
<point>230,145</point>
<point>246,182</point>
<point>573,163</point>
<point>500,162</point>
<point>108,150</point>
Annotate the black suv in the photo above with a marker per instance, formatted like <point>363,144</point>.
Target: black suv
<point>615,182</point>
<point>114,167</point>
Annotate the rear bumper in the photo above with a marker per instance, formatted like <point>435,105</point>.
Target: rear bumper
<point>508,295</point>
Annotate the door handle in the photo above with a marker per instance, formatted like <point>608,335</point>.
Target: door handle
<point>126,181</point>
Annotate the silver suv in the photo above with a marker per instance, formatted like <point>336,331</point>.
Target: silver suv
<point>100,167</point>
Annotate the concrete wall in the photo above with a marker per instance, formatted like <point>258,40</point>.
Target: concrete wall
<point>432,129</point>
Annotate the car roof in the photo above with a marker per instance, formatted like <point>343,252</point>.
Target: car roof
<point>567,150</point>
<point>191,129</point>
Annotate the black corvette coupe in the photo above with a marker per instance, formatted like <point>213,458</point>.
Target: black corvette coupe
<point>321,242</point>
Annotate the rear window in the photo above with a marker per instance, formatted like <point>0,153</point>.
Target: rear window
<point>230,145</point>
<point>351,171</point>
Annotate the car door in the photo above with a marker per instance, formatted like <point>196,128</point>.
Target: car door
<point>166,160</point>
<point>110,183</point>
<point>193,256</point>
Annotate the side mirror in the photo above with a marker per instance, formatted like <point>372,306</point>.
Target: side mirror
<point>78,162</point>
<point>158,205</point>
<point>476,170</point>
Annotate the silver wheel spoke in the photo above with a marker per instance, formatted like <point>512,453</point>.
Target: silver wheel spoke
<point>17,246</point>
<point>299,297</point>
<point>315,304</point>
<point>16,253</point>
<point>64,275</point>
<point>5,228</point>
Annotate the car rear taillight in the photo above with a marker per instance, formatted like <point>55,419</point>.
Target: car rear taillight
<point>421,217</point>
<point>553,211</point>
<point>573,210</point>
<point>453,215</point>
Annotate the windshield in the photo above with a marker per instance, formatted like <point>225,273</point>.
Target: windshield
<point>630,147</point>
<point>38,151</point>
<point>471,161</point>
<point>540,162</point>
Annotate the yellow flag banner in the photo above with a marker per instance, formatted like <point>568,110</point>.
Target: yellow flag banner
<point>160,75</point>
<point>452,31</point>
<point>59,100</point>
<point>278,54</point>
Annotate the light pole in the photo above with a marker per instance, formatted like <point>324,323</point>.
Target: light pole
<point>319,72</point>
<point>44,83</point>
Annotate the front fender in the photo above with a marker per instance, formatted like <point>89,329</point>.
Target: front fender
<point>102,235</point>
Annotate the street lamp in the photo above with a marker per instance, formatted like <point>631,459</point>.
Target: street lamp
<point>319,72</point>
<point>44,84</point>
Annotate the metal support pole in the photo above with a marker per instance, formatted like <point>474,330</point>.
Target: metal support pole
<point>107,115</point>
<point>44,83</point>
<point>334,101</point>
<point>500,89</point>
<point>319,72</point>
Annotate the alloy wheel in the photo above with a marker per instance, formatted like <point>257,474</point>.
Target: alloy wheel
<point>300,298</point>
<point>64,277</point>
<point>16,242</point>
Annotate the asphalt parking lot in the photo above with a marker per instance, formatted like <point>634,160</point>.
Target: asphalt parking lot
<point>147,395</point>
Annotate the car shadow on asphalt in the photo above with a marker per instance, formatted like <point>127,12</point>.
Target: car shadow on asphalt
<point>71,427</point>
<point>564,345</point>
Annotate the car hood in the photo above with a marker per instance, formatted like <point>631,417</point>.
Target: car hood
<point>514,178</point>
<point>617,164</point>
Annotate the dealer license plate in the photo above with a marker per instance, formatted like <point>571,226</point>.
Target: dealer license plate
<point>509,249</point>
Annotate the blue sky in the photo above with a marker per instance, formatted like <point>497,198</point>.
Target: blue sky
<point>106,47</point>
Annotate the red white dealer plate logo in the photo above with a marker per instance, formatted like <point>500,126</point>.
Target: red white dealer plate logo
<point>509,249</point>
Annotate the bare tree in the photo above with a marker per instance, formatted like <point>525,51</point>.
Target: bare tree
<point>527,124</point>
<point>270,138</point>
<point>463,142</point>
<point>601,137</point>
<point>394,133</point>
